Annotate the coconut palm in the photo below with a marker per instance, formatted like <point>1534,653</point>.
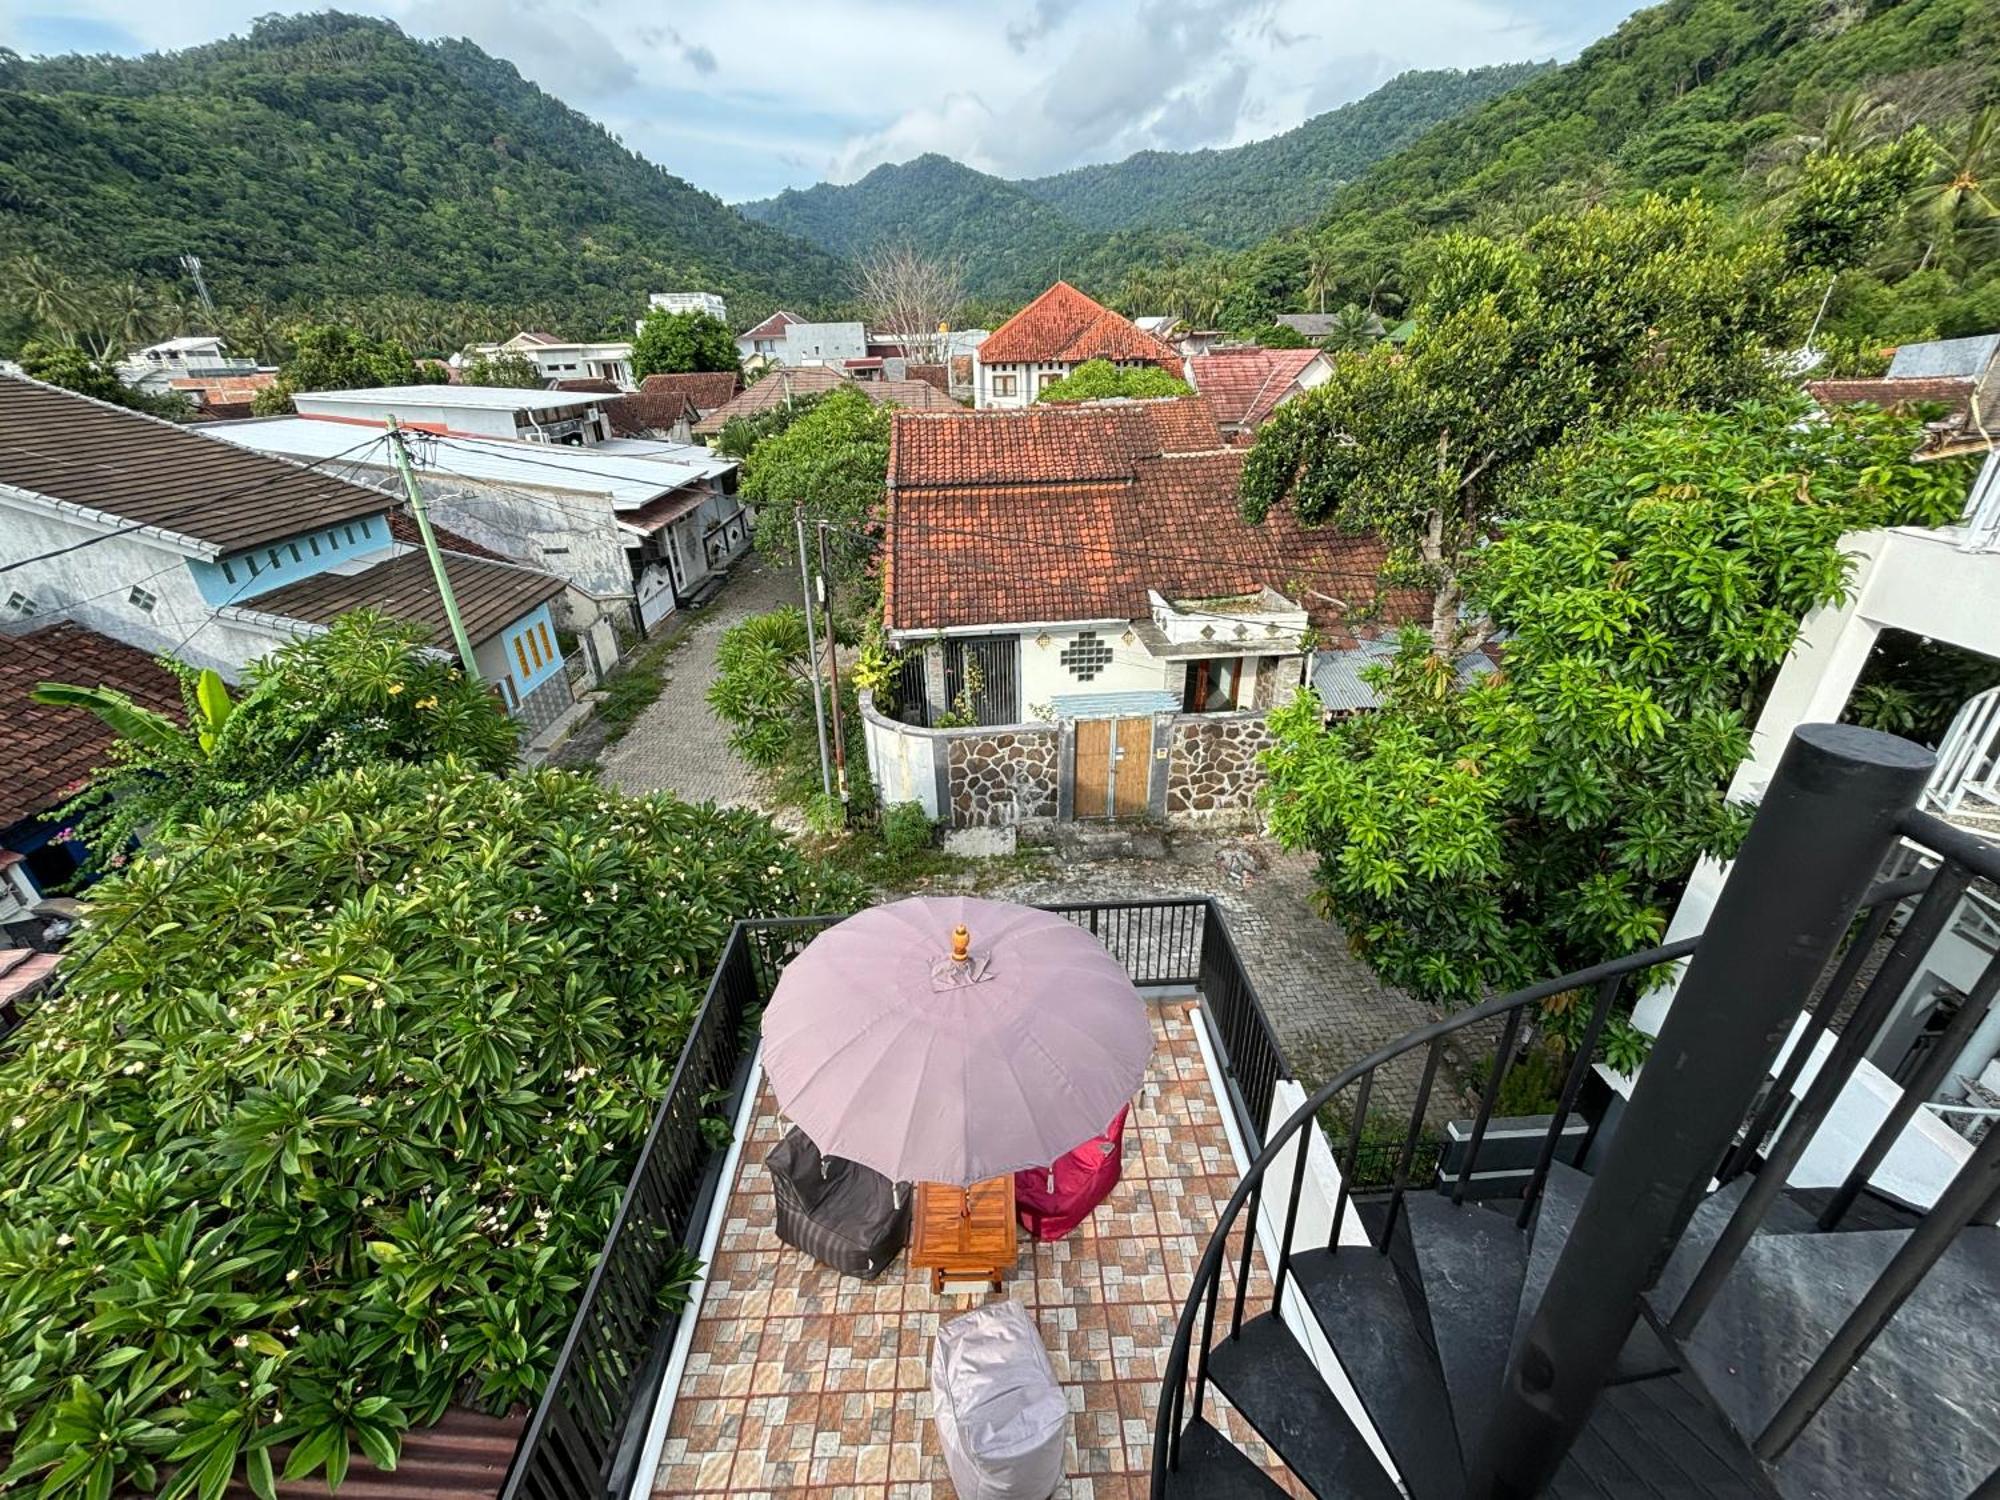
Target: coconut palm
<point>1962,194</point>
<point>1353,330</point>
<point>1322,273</point>
<point>258,332</point>
<point>47,293</point>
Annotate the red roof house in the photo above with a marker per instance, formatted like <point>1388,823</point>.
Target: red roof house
<point>1246,384</point>
<point>1051,336</point>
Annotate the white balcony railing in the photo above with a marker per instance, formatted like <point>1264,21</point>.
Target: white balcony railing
<point>1965,787</point>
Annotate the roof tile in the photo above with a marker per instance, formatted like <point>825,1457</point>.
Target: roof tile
<point>705,390</point>
<point>1063,326</point>
<point>1245,385</point>
<point>45,752</point>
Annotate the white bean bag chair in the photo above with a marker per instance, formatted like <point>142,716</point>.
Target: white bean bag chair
<point>1001,1414</point>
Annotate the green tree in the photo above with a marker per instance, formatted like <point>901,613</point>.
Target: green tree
<point>1101,380</point>
<point>741,435</point>
<point>1845,204</point>
<point>1354,330</point>
<point>763,691</point>
<point>672,343</point>
<point>1960,197</point>
<point>1476,838</point>
<point>1279,336</point>
<point>1519,347</point>
<point>70,367</point>
<point>364,693</point>
<point>833,463</point>
<point>329,1135</point>
<point>333,357</point>
<point>503,368</point>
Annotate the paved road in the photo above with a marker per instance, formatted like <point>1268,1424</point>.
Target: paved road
<point>677,745</point>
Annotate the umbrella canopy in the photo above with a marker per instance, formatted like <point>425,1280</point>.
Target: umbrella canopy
<point>887,1052</point>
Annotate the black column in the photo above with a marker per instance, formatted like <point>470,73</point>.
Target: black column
<point>1819,837</point>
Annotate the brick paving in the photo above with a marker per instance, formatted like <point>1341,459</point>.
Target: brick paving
<point>805,1382</point>
<point>677,745</point>
<point>1326,1005</point>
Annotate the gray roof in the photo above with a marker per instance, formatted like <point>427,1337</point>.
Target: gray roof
<point>1312,325</point>
<point>1966,358</point>
<point>491,595</point>
<point>177,479</point>
<point>1113,705</point>
<point>1336,675</point>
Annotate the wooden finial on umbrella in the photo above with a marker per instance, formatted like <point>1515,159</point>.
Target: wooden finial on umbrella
<point>961,944</point>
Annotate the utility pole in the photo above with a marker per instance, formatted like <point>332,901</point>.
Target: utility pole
<point>812,649</point>
<point>832,666</point>
<point>416,498</point>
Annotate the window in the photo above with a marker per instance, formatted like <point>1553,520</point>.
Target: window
<point>1004,385</point>
<point>272,554</point>
<point>1212,685</point>
<point>229,572</point>
<point>251,559</point>
<point>542,630</point>
<point>313,542</point>
<point>19,603</point>
<point>1086,656</point>
<point>350,536</point>
<point>521,655</point>
<point>141,600</point>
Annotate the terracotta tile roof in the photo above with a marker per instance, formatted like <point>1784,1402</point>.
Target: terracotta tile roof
<point>1077,511</point>
<point>1246,385</point>
<point>46,753</point>
<point>232,390</point>
<point>1062,326</point>
<point>593,386</point>
<point>490,595</point>
<point>645,413</point>
<point>1044,444</point>
<point>149,472</point>
<point>705,389</point>
<point>794,382</point>
<point>1954,392</point>
<point>937,375</point>
<point>771,328</point>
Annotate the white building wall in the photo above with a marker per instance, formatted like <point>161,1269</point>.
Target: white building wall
<point>93,587</point>
<point>1044,677</point>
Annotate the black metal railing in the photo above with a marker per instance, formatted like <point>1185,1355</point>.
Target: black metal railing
<point>1955,860</point>
<point>585,1437</point>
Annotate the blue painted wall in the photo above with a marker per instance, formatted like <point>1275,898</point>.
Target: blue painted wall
<point>245,575</point>
<point>532,637</point>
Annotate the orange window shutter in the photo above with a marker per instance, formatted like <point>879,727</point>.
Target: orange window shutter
<point>521,654</point>
<point>542,630</point>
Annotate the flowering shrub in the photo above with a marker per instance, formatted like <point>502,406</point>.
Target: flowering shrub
<point>326,1140</point>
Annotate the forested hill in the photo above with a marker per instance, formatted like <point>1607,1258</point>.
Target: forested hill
<point>329,157</point>
<point>1096,222</point>
<point>1237,195</point>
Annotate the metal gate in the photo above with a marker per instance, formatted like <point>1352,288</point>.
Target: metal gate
<point>994,678</point>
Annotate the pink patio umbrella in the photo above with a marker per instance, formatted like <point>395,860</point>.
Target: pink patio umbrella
<point>888,1051</point>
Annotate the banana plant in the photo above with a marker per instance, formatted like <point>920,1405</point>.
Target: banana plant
<point>209,711</point>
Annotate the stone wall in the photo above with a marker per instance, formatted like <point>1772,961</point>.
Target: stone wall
<point>1002,776</point>
<point>1212,770</point>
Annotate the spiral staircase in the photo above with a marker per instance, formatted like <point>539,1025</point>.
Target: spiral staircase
<point>1676,1320</point>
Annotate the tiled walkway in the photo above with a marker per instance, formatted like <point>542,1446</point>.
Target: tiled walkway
<point>805,1382</point>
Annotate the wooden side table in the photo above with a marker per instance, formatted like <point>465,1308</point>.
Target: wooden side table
<point>952,1244</point>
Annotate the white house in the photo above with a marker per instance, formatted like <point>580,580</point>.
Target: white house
<point>203,551</point>
<point>573,418</point>
<point>765,343</point>
<point>195,356</point>
<point>569,359</point>
<point>1049,338</point>
<point>633,528</point>
<point>1090,629</point>
<point>680,302</point>
<point>823,343</point>
<point>1943,584</point>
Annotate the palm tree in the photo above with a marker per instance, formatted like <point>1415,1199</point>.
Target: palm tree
<point>47,293</point>
<point>1385,292</point>
<point>126,314</point>
<point>1353,330</point>
<point>1963,191</point>
<point>258,332</point>
<point>1322,273</point>
<point>1211,287</point>
<point>1854,122</point>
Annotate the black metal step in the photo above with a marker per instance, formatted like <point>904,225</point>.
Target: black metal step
<point>1275,1387</point>
<point>1213,1468</point>
<point>1872,1210</point>
<point>1919,1415</point>
<point>1785,1217</point>
<point>1645,1356</point>
<point>1471,1261</point>
<point>1359,1299</point>
<point>1661,1439</point>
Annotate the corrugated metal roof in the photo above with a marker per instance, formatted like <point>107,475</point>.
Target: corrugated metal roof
<point>1968,358</point>
<point>1336,675</point>
<point>1113,705</point>
<point>491,595</point>
<point>463,1457</point>
<point>482,397</point>
<point>150,472</point>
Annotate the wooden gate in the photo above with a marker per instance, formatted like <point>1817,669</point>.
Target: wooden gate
<point>1114,767</point>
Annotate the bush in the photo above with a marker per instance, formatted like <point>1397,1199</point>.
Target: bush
<point>906,828</point>
<point>327,1140</point>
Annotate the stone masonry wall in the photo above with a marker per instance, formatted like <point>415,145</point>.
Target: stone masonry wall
<point>1212,770</point>
<point>1003,776</point>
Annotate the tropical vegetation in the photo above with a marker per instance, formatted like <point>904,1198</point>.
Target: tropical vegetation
<point>325,1140</point>
<point>1101,380</point>
<point>75,368</point>
<point>1476,836</point>
<point>671,343</point>
<point>502,368</point>
<point>831,465</point>
<point>332,357</point>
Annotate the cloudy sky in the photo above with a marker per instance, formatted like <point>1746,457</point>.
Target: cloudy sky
<point>744,97</point>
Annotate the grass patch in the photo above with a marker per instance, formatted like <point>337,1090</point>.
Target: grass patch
<point>632,687</point>
<point>862,853</point>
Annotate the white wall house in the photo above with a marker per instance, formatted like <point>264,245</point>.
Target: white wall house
<point>1049,338</point>
<point>190,357</point>
<point>1943,584</point>
<point>764,344</point>
<point>823,343</point>
<point>569,359</point>
<point>572,418</point>
<point>680,302</point>
<point>634,528</point>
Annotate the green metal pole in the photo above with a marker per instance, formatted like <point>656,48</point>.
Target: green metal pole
<point>416,497</point>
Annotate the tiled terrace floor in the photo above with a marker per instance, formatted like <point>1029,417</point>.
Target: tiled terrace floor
<point>806,1382</point>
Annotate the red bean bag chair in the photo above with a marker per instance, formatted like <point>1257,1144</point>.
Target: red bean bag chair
<point>1051,1201</point>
